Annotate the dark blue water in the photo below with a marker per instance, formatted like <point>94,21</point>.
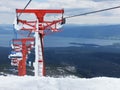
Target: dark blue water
<point>52,41</point>
<point>100,35</point>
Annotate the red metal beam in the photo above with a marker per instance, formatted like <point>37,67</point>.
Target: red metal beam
<point>23,39</point>
<point>39,11</point>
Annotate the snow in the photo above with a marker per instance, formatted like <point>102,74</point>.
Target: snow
<point>16,26</point>
<point>49,83</point>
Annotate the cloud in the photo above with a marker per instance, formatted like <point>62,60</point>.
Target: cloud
<point>11,5</point>
<point>67,4</point>
<point>72,7</point>
<point>94,20</point>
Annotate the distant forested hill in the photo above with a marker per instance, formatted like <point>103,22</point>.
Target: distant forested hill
<point>85,61</point>
<point>4,52</point>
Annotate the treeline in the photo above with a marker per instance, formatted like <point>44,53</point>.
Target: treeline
<point>85,61</point>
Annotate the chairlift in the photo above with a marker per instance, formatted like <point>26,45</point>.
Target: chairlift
<point>15,55</point>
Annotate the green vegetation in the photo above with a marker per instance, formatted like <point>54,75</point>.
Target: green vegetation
<point>84,61</point>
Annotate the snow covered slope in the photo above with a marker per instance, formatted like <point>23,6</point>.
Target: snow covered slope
<point>48,83</point>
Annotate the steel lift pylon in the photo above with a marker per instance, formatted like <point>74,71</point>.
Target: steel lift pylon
<point>20,49</point>
<point>40,27</point>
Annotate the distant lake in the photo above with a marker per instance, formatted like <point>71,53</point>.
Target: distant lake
<point>5,40</point>
<point>53,41</point>
<point>70,34</point>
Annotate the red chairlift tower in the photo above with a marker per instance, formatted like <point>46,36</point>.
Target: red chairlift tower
<point>39,27</point>
<point>20,49</point>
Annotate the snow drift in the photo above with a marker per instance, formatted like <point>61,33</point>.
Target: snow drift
<point>48,83</point>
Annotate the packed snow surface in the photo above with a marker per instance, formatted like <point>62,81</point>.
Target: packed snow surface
<point>48,83</point>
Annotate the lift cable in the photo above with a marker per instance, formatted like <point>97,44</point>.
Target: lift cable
<point>82,14</point>
<point>15,33</point>
<point>24,8</point>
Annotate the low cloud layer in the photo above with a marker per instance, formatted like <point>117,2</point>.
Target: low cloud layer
<point>72,7</point>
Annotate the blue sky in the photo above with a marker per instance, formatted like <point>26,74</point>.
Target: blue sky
<point>7,10</point>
